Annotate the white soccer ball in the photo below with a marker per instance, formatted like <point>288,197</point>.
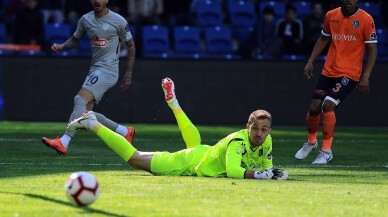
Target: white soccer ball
<point>82,188</point>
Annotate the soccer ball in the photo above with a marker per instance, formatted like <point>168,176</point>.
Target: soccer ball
<point>82,188</point>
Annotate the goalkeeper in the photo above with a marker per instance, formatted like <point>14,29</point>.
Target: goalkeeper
<point>245,154</point>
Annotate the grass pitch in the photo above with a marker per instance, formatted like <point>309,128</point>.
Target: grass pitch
<point>32,176</point>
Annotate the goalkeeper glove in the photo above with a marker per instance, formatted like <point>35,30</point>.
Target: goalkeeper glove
<point>267,174</point>
<point>279,174</point>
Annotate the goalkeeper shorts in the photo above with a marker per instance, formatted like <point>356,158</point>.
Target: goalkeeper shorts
<point>180,163</point>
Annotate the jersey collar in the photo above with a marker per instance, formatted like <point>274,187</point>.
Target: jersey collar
<point>354,12</point>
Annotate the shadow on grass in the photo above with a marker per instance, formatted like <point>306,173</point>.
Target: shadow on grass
<point>86,209</point>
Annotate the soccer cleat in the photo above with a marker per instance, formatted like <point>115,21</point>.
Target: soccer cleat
<point>305,150</point>
<point>81,123</point>
<point>55,144</point>
<point>130,135</point>
<point>169,89</point>
<point>323,157</point>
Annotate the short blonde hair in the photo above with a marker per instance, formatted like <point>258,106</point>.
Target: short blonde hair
<point>260,114</point>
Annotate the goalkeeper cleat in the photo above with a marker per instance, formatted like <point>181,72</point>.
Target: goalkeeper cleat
<point>305,150</point>
<point>81,123</point>
<point>323,157</point>
<point>130,135</point>
<point>55,144</point>
<point>169,89</point>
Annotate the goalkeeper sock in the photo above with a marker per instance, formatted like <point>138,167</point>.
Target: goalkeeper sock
<point>189,132</point>
<point>328,125</point>
<point>114,141</point>
<point>312,123</point>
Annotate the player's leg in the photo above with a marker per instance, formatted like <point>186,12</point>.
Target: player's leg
<point>81,101</point>
<point>189,132</point>
<point>341,88</point>
<point>116,142</point>
<point>99,82</point>
<point>313,117</point>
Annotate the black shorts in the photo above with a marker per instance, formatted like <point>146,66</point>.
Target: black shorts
<point>333,89</point>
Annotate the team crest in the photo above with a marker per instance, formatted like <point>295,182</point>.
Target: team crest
<point>356,24</point>
<point>345,81</point>
<point>105,27</point>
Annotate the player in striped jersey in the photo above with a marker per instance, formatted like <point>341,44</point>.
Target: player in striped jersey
<point>350,30</point>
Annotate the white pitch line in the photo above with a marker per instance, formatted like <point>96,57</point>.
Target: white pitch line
<point>119,164</point>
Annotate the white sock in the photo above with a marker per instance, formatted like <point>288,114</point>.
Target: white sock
<point>91,123</point>
<point>173,104</point>
<point>122,130</point>
<point>65,139</point>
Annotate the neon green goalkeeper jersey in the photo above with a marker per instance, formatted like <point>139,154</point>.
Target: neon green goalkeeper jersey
<point>233,155</point>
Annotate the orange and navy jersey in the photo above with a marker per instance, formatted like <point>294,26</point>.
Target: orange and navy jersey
<point>348,38</point>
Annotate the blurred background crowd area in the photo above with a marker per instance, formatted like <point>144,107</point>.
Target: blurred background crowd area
<point>231,29</point>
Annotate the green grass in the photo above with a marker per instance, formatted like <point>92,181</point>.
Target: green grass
<point>32,176</point>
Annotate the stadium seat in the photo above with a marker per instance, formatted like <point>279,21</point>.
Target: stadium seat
<point>3,34</point>
<point>303,8</point>
<point>374,10</point>
<point>209,13</point>
<point>219,42</point>
<point>156,41</point>
<point>187,41</point>
<point>84,48</point>
<point>57,32</point>
<point>241,13</point>
<point>279,7</point>
<point>382,36</point>
<point>293,57</point>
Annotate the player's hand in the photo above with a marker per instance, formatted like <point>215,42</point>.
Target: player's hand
<point>279,174</point>
<point>308,70</point>
<point>363,86</point>
<point>267,174</point>
<point>57,47</point>
<point>127,81</point>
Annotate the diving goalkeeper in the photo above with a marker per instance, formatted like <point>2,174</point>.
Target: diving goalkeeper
<point>245,154</point>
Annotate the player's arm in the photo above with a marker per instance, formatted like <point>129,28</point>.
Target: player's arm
<point>233,158</point>
<point>127,78</point>
<point>363,84</point>
<point>69,44</point>
<point>317,50</point>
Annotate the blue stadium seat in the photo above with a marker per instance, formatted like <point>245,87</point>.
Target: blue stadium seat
<point>156,41</point>
<point>382,36</point>
<point>187,41</point>
<point>370,7</point>
<point>84,48</point>
<point>3,34</point>
<point>242,13</point>
<point>293,57</point>
<point>219,42</point>
<point>374,10</point>
<point>57,32</point>
<point>303,8</point>
<point>209,13</point>
<point>279,7</point>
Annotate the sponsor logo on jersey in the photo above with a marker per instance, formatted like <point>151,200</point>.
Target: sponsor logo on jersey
<point>339,37</point>
<point>356,24</point>
<point>345,81</point>
<point>96,41</point>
